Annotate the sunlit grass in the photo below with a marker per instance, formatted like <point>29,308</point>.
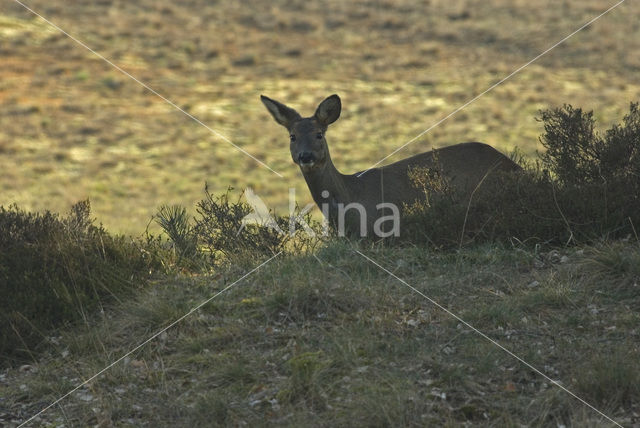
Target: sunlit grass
<point>90,132</point>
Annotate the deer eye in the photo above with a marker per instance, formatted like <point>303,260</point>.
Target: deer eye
<point>319,135</point>
<point>292,137</point>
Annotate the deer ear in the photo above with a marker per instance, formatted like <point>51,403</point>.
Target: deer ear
<point>284,115</point>
<point>329,110</point>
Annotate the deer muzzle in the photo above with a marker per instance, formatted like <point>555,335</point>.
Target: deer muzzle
<point>306,159</point>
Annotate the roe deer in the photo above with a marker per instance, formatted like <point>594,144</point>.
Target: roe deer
<point>385,190</point>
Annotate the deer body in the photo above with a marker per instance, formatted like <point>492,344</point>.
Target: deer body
<point>377,194</point>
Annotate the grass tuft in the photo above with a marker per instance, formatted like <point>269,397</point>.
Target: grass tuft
<point>609,379</point>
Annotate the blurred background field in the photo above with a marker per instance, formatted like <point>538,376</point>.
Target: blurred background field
<point>72,127</point>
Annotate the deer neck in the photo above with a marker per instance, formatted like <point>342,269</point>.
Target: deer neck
<point>328,186</point>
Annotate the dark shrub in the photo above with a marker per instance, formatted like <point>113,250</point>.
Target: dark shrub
<point>585,187</point>
<point>578,155</point>
<point>56,270</point>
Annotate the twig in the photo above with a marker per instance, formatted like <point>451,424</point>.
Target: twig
<point>634,230</point>
<point>466,214</point>
<point>566,222</point>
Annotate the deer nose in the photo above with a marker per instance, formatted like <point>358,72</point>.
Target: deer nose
<point>306,157</point>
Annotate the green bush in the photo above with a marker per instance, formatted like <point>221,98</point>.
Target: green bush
<point>583,188</point>
<point>577,155</point>
<point>57,270</point>
<point>220,237</point>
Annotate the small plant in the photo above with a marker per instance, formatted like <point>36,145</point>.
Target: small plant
<point>219,228</point>
<point>220,235</point>
<point>305,380</point>
<point>174,221</point>
<point>431,181</point>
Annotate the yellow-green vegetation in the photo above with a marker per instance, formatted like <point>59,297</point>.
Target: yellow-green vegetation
<point>546,263</point>
<point>72,127</point>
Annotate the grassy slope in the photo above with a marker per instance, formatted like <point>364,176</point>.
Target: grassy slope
<point>72,127</point>
<point>332,340</point>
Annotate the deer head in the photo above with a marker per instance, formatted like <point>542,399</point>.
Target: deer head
<point>307,135</point>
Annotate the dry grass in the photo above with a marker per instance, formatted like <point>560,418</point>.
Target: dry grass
<point>72,127</point>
